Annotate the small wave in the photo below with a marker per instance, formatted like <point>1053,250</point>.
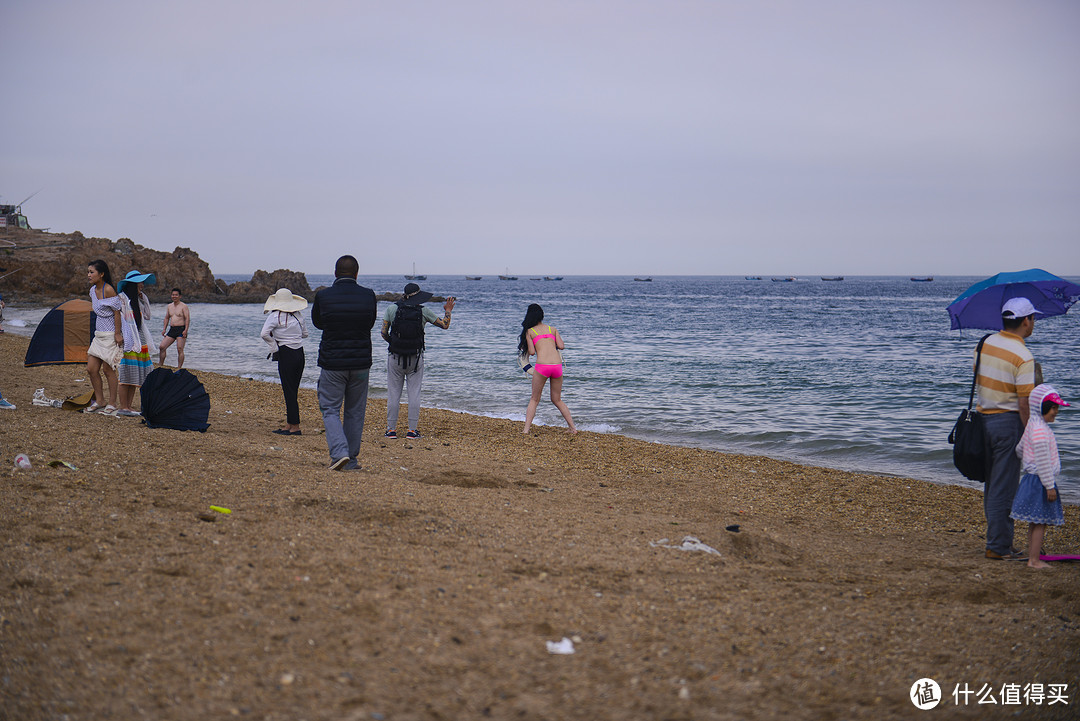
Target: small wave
<point>599,427</point>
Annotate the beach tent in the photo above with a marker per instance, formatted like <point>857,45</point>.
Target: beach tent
<point>63,335</point>
<point>174,399</point>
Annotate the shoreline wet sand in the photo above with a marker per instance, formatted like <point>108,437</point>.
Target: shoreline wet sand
<point>427,585</point>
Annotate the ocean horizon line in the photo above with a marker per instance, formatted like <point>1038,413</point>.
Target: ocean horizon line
<point>780,277</point>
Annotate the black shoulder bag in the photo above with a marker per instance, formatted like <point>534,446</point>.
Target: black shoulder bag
<point>971,447</point>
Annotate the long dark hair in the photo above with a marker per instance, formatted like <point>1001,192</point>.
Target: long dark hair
<point>103,268</point>
<point>131,290</point>
<point>533,315</point>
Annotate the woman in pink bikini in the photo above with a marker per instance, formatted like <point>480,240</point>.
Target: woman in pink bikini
<point>544,342</point>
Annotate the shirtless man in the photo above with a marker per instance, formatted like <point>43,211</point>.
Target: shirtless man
<point>177,324</point>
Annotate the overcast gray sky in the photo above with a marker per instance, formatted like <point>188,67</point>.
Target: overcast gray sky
<point>554,137</point>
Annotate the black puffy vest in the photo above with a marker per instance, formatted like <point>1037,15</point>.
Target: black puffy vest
<point>345,313</point>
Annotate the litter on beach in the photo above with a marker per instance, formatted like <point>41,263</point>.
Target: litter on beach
<point>564,647</point>
<point>689,543</point>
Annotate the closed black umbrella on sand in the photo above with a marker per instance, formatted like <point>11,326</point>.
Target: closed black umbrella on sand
<point>175,399</point>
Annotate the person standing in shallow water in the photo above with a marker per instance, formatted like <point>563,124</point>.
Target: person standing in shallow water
<point>544,342</point>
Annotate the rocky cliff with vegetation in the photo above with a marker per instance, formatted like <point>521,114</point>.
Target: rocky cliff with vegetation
<point>36,266</point>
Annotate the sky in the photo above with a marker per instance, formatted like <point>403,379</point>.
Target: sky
<point>562,137</point>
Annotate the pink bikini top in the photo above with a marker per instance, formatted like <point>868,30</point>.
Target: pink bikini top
<point>550,334</point>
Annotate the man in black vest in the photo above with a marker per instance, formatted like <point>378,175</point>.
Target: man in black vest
<point>345,313</point>
<point>403,329</point>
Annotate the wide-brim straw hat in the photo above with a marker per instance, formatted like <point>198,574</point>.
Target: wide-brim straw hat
<point>285,301</point>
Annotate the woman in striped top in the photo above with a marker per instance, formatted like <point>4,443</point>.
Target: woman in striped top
<point>107,347</point>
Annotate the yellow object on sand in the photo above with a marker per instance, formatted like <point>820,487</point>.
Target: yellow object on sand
<point>220,509</point>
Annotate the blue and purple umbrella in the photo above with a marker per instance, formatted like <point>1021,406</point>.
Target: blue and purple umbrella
<point>980,305</point>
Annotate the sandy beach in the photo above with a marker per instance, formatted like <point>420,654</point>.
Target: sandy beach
<point>427,585</point>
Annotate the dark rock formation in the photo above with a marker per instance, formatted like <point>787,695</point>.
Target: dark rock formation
<point>37,266</point>
<point>263,284</point>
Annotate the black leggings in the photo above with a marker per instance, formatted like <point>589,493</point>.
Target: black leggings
<point>290,368</point>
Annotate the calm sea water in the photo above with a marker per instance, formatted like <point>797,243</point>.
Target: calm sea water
<point>862,374</point>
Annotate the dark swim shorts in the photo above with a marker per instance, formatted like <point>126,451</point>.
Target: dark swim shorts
<point>175,331</point>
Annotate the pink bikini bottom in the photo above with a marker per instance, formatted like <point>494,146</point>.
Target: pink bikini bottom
<point>549,370</point>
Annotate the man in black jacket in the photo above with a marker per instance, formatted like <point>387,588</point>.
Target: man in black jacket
<point>345,313</point>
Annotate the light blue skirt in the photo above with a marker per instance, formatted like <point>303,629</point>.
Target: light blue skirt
<point>1030,503</point>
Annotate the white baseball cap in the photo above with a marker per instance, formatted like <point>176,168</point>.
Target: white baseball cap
<point>1018,308</point>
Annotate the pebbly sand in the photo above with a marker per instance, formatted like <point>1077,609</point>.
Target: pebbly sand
<point>426,585</point>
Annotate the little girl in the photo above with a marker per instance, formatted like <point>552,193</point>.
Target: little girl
<point>1037,500</point>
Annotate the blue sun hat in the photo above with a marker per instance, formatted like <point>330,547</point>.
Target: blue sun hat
<point>135,276</point>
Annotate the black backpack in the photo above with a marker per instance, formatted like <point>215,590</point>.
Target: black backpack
<point>407,330</point>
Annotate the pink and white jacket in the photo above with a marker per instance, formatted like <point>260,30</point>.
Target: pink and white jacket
<point>1038,447</point>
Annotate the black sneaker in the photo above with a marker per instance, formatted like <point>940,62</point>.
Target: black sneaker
<point>392,435</point>
<point>412,436</point>
<point>339,463</point>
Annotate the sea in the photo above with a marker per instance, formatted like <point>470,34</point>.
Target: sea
<point>862,374</point>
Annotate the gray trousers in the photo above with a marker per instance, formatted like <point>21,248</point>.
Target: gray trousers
<point>348,390</point>
<point>397,376</point>
<point>1004,431</point>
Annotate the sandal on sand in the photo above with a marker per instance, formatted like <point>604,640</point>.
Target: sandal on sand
<point>92,408</point>
<point>108,411</point>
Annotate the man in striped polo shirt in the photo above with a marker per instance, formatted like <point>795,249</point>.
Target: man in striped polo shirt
<point>1006,379</point>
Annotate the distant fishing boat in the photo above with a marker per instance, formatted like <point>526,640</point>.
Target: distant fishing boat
<point>753,277</point>
<point>535,279</point>
<point>508,276</point>
<point>789,279</point>
<point>474,277</point>
<point>832,278</point>
<point>414,276</point>
<point>548,277</point>
<point>924,279</point>
<point>643,280</point>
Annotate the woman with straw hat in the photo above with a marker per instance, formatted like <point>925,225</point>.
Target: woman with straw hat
<point>284,331</point>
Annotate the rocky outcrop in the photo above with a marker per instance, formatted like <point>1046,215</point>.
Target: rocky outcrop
<point>263,284</point>
<point>36,266</point>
